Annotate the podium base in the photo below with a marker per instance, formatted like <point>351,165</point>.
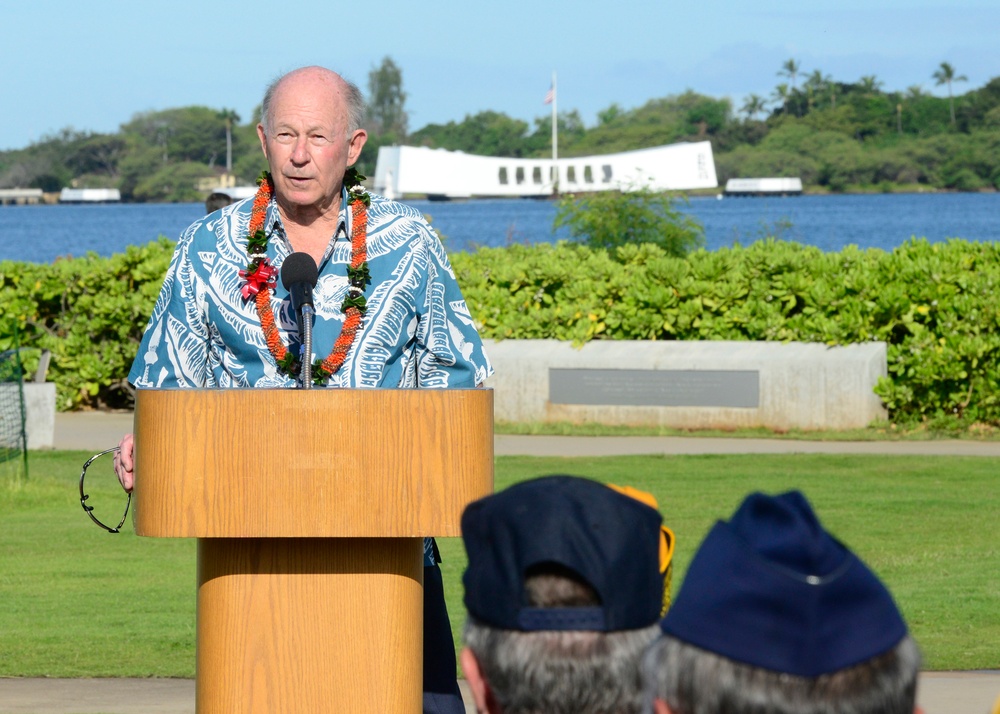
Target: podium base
<point>309,625</point>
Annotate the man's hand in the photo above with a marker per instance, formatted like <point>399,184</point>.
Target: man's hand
<point>124,464</point>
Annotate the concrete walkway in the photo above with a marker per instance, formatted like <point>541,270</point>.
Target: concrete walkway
<point>939,692</point>
<point>96,431</point>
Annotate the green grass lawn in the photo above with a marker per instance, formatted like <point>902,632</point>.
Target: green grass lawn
<point>76,601</point>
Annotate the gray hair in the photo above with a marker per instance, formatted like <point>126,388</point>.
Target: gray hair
<point>564,672</point>
<point>356,106</point>
<point>571,672</point>
<point>695,681</point>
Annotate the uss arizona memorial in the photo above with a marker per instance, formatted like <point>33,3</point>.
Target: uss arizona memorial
<point>414,171</point>
<point>442,174</point>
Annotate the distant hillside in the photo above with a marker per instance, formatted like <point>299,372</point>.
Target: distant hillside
<point>836,136</point>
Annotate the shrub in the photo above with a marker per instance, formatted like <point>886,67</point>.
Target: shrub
<point>90,312</point>
<point>609,219</point>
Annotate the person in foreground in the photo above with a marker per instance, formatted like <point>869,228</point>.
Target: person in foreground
<point>388,310</point>
<point>564,589</point>
<point>776,616</point>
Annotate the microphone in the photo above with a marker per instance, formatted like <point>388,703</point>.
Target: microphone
<point>299,275</point>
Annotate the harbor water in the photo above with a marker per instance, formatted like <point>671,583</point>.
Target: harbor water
<point>42,233</point>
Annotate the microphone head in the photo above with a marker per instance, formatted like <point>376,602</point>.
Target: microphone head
<point>299,274</point>
<point>299,269</point>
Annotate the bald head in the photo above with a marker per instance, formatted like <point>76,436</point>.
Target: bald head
<point>307,137</point>
<point>318,78</point>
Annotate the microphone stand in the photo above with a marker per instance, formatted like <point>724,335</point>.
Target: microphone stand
<point>307,340</point>
<point>298,275</point>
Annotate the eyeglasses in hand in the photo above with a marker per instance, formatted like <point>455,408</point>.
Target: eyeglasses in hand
<point>84,496</point>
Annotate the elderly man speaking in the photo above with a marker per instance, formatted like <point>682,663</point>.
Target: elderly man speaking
<point>388,310</point>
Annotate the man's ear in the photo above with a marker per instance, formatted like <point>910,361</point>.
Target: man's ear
<point>355,144</point>
<point>481,693</point>
<point>263,139</point>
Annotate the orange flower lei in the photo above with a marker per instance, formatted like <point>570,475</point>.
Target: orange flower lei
<point>261,277</point>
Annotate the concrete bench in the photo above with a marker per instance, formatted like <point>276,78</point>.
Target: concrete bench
<point>39,404</point>
<point>40,414</point>
<point>688,385</point>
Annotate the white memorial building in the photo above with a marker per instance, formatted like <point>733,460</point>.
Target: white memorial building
<point>441,174</point>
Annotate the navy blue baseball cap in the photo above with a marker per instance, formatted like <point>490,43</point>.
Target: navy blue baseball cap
<point>771,588</point>
<point>610,540</point>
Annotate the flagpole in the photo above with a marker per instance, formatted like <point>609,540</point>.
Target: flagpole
<point>555,137</point>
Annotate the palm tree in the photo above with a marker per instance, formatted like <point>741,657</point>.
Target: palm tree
<point>230,117</point>
<point>790,69</point>
<point>945,74</point>
<point>781,94</point>
<point>820,82</point>
<point>753,105</point>
<point>869,84</point>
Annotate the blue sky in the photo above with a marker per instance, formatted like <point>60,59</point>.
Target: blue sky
<point>91,66</point>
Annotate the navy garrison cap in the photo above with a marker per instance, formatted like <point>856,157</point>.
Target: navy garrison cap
<point>608,539</point>
<point>772,589</point>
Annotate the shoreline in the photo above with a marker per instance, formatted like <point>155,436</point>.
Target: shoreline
<point>905,190</point>
<point>809,190</point>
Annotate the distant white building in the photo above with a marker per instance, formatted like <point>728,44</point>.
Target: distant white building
<point>20,196</point>
<point>437,173</point>
<point>236,193</point>
<point>223,196</point>
<point>764,187</point>
<point>90,195</point>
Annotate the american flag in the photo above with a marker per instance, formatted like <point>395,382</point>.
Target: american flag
<point>550,95</point>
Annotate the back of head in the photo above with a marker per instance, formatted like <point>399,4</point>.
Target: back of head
<point>695,681</point>
<point>775,615</point>
<point>564,590</point>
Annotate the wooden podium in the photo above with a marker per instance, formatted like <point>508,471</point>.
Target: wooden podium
<point>310,508</point>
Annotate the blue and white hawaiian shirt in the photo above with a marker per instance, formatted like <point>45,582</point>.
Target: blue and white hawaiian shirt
<point>417,331</point>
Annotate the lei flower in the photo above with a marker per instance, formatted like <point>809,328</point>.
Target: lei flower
<point>260,278</point>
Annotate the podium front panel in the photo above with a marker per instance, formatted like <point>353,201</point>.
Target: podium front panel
<point>360,463</point>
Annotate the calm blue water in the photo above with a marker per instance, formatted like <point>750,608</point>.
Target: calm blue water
<point>829,222</point>
<point>41,233</point>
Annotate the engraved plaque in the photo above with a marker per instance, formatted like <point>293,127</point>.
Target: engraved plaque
<point>655,388</point>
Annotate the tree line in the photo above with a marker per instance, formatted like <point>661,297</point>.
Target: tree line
<point>835,135</point>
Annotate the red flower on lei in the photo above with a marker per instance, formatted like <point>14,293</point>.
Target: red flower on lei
<point>264,276</point>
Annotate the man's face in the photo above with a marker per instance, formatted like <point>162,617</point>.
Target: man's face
<point>307,145</point>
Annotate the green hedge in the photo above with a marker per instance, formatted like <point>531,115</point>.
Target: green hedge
<point>90,312</point>
<point>934,304</point>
